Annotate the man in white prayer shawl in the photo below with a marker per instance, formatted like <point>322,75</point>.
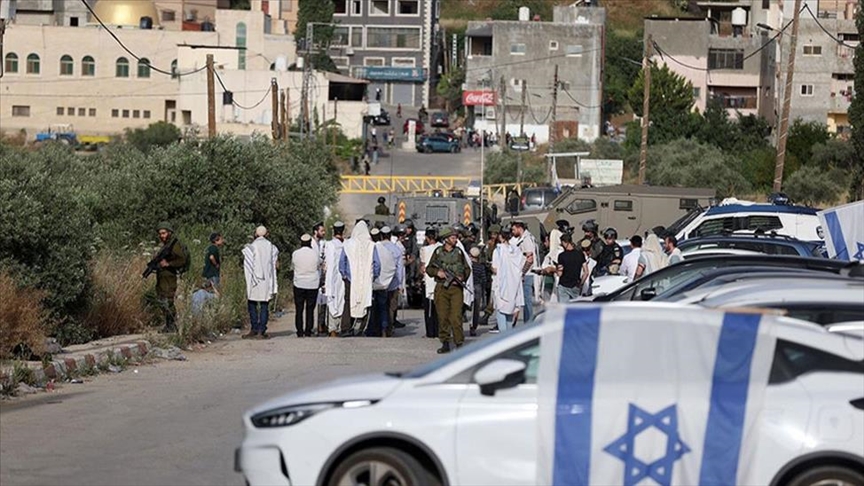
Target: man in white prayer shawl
<point>507,264</point>
<point>260,261</point>
<point>334,286</point>
<point>359,266</point>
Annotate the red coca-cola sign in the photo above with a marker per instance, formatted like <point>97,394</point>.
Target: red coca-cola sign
<point>475,98</point>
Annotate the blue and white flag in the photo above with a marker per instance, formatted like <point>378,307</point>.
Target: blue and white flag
<point>844,238</point>
<point>667,397</point>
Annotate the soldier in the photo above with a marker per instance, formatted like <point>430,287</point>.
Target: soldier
<point>166,275</point>
<point>449,288</point>
<point>590,228</point>
<point>610,259</point>
<point>381,208</point>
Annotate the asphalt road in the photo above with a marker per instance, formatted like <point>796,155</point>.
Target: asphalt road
<point>178,422</point>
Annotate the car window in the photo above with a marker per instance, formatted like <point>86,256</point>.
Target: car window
<point>581,206</point>
<point>534,198</point>
<point>528,353</point>
<point>821,314</point>
<point>792,360</point>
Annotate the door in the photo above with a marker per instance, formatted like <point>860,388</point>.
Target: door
<point>496,436</point>
<point>402,93</point>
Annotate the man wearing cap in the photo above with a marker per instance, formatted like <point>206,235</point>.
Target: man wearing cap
<point>524,241</point>
<point>304,263</point>
<point>334,286</point>
<point>359,266</point>
<point>213,260</point>
<point>430,315</point>
<point>380,318</point>
<point>382,208</point>
<point>260,261</point>
<point>449,293</point>
<point>166,275</point>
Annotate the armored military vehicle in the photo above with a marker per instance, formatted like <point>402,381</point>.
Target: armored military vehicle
<point>430,211</point>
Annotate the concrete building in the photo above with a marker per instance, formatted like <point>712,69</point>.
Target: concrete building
<point>502,54</point>
<point>732,64</point>
<point>389,43</point>
<point>81,76</point>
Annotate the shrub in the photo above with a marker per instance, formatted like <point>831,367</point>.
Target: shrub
<point>692,164</point>
<point>117,295</point>
<point>21,320</point>
<point>159,134</point>
<point>501,168</point>
<point>220,315</point>
<point>811,185</point>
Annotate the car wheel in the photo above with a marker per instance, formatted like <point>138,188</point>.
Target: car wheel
<point>454,149</point>
<point>828,476</point>
<point>427,149</point>
<point>381,466</point>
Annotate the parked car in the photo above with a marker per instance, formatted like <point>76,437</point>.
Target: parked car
<point>538,197</point>
<point>418,126</point>
<point>795,221</point>
<point>482,415</point>
<point>382,119</point>
<point>439,119</point>
<point>437,143</point>
<point>769,244</point>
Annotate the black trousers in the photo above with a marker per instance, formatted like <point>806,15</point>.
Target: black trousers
<point>430,317</point>
<point>304,306</point>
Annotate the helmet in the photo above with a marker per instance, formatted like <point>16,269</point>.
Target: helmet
<point>399,229</point>
<point>409,223</point>
<point>445,232</point>
<point>610,233</point>
<point>382,200</point>
<point>459,228</point>
<point>590,225</point>
<point>473,228</point>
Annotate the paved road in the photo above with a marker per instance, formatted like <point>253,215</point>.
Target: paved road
<point>177,423</point>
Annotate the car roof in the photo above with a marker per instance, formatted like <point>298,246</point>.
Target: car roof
<point>758,208</point>
<point>791,289</point>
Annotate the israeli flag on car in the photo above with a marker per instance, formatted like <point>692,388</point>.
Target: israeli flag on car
<point>844,239</point>
<point>667,397</point>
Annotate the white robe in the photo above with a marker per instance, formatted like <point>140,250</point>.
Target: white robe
<point>508,260</point>
<point>334,286</point>
<point>429,282</point>
<point>359,251</point>
<point>388,267</point>
<point>259,267</point>
<point>538,280</point>
<point>468,291</point>
<point>551,260</point>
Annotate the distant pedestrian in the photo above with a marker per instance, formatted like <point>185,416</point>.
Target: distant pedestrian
<point>652,257</point>
<point>391,134</point>
<point>173,260</point>
<point>478,271</point>
<point>366,165</point>
<point>334,286</point>
<point>399,110</point>
<point>375,153</point>
<point>213,260</point>
<point>587,268</point>
<point>631,260</point>
<point>509,293</point>
<point>203,296</point>
<point>304,263</point>
<point>260,262</point>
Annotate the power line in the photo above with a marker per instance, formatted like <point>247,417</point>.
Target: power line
<point>567,92</point>
<point>238,105</point>
<point>536,59</point>
<point>829,34</point>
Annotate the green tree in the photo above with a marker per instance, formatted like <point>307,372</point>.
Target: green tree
<point>240,5</point>
<point>856,114</point>
<point>623,52</point>
<point>689,163</point>
<point>159,134</point>
<point>509,9</point>
<point>450,88</point>
<point>671,105</point>
<point>802,137</point>
<point>811,185</point>
<point>501,168</point>
<point>835,153</point>
<point>316,11</point>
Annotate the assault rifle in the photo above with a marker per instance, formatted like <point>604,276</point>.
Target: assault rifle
<point>163,254</point>
<point>451,279</point>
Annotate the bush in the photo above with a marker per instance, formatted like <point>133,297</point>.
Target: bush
<point>220,315</point>
<point>159,134</point>
<point>501,168</point>
<point>117,295</point>
<point>812,185</point>
<point>691,164</point>
<point>21,320</point>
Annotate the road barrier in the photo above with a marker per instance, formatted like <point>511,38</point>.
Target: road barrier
<point>419,185</point>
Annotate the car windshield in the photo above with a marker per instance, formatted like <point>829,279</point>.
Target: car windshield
<point>662,280</point>
<point>436,365</point>
<point>683,221</point>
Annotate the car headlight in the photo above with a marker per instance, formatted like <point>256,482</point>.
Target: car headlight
<point>285,416</point>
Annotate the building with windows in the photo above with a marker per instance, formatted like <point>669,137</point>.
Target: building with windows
<point>517,61</point>
<point>80,75</point>
<point>389,43</point>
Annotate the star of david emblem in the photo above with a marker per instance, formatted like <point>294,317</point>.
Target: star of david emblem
<point>640,421</point>
<point>860,254</point>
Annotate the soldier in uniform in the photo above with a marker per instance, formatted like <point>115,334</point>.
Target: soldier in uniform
<point>381,208</point>
<point>449,293</point>
<point>590,228</point>
<point>612,254</point>
<point>166,275</point>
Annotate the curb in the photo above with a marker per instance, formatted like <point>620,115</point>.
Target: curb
<point>67,368</point>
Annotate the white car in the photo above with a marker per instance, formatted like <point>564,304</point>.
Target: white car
<point>472,417</point>
<point>795,221</point>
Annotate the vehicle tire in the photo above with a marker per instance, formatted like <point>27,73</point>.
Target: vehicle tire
<point>828,476</point>
<point>381,466</point>
<point>427,149</point>
<point>454,149</point>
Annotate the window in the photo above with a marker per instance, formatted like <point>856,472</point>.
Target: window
<point>403,62</point>
<point>20,110</point>
<point>379,7</point>
<point>766,4</point>
<point>88,66</point>
<point>145,114</point>
<point>82,111</point>
<point>125,113</point>
<point>688,203</point>
<point>73,21</point>
<point>806,90</point>
<point>623,205</point>
<point>574,50</point>
<point>518,49</point>
<point>136,114</point>
<point>168,16</point>
<point>407,7</point>
<point>10,64</point>
<point>581,206</point>
<point>67,65</point>
<point>32,64</point>
<point>174,74</point>
<point>736,223</point>
<point>356,7</point>
<point>340,7</point>
<point>811,50</point>
<point>553,45</point>
<point>697,92</point>
<point>92,112</point>
<point>241,44</point>
<point>347,35</point>
<point>725,58</point>
<point>528,353</point>
<point>792,360</point>
<point>122,68</point>
<point>70,111</point>
<point>820,314</point>
<point>373,61</point>
<point>115,113</point>
<point>60,111</point>
<point>143,68</point>
<point>393,37</point>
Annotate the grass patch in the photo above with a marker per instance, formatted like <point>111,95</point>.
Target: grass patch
<point>22,331</point>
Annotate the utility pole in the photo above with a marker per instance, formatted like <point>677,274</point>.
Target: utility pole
<point>287,128</point>
<point>552,128</point>
<point>211,99</point>
<point>274,107</point>
<point>502,97</point>
<point>333,126</point>
<point>283,118</point>
<point>646,106</point>
<point>307,73</point>
<point>787,103</point>
<point>522,109</point>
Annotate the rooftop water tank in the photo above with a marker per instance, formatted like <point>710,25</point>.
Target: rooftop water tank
<point>524,14</point>
<point>739,17</point>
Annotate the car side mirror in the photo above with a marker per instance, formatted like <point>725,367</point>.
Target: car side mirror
<point>499,375</point>
<point>648,294</point>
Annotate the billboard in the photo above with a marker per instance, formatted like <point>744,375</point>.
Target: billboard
<point>478,98</point>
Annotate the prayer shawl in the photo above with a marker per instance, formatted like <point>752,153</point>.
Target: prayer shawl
<point>468,291</point>
<point>320,247</point>
<point>359,250</point>
<point>652,255</point>
<point>551,259</point>
<point>538,280</point>
<point>508,261</point>
<point>334,286</point>
<point>429,282</point>
<point>388,267</point>
<point>259,267</point>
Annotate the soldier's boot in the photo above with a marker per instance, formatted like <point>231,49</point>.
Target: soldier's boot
<point>444,349</point>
